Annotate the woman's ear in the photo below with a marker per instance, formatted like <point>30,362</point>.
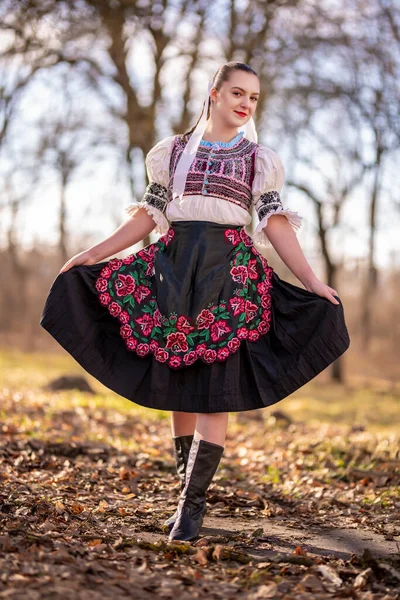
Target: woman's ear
<point>213,94</point>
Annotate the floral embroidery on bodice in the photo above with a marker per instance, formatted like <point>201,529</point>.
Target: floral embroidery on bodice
<point>220,171</point>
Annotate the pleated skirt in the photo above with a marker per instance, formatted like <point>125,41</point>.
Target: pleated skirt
<point>196,322</point>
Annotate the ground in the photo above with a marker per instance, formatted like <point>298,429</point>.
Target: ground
<point>305,503</point>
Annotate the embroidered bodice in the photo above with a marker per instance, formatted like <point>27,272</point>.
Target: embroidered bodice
<point>225,181</point>
<point>221,171</point>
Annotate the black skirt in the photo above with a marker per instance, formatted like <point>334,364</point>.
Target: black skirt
<point>195,322</point>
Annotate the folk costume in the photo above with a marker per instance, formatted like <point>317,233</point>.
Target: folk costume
<point>198,321</point>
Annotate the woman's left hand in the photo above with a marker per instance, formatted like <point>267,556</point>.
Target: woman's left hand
<point>320,288</point>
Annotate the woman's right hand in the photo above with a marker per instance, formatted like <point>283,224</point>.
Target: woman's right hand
<point>83,258</point>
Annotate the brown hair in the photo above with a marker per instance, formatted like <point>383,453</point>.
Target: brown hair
<point>220,76</point>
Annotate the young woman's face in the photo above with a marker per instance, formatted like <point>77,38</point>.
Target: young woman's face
<point>237,99</point>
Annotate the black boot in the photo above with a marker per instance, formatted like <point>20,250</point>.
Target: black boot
<point>182,445</point>
<point>203,461</point>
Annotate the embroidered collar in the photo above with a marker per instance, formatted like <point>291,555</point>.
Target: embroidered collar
<point>230,144</point>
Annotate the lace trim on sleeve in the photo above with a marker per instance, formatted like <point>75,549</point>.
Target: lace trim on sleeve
<point>270,204</point>
<point>155,203</point>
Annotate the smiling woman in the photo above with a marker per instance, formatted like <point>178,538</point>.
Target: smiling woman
<point>198,323</point>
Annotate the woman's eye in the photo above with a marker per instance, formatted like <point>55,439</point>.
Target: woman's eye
<point>239,95</point>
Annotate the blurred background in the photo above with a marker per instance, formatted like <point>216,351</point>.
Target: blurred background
<point>88,87</point>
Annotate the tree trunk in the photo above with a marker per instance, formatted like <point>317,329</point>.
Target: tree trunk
<point>371,280</point>
<point>61,221</point>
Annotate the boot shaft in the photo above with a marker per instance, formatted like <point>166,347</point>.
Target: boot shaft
<point>182,444</point>
<point>203,461</point>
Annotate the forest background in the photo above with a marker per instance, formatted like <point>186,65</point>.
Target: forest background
<point>88,87</point>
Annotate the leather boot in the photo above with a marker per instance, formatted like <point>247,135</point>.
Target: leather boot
<point>203,461</point>
<point>182,445</point>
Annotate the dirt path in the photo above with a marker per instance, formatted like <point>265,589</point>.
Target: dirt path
<point>277,538</point>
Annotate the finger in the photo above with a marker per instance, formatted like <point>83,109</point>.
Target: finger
<point>333,299</point>
<point>65,267</point>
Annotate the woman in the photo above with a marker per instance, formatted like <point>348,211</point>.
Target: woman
<point>198,323</point>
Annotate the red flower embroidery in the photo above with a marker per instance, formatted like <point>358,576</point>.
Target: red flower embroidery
<point>150,269</point>
<point>142,349</point>
<point>263,327</point>
<point>237,305</point>
<point>183,324</point>
<point>204,319</point>
<point>124,285</point>
<point>128,259</point>
<point>253,335</point>
<point>105,298</point>
<point>124,317</point>
<point>101,284</point>
<point>161,355</point>
<point>266,315</point>
<point>239,274</point>
<point>268,274</point>
<point>175,361</point>
<point>232,236</point>
<point>165,239</point>
<point>106,272</point>
<point>210,355</point>
<point>242,333</point>
<point>262,287</point>
<point>141,292</point>
<point>252,269</point>
<point>264,262</point>
<point>222,354</point>
<point>125,331</point>
<point>131,343</point>
<point>147,254</point>
<point>246,239</point>
<point>177,342</point>
<point>157,318</point>
<point>251,310</point>
<point>234,344</point>
<point>145,323</point>
<point>115,264</point>
<point>201,348</point>
<point>153,345</point>
<point>266,300</point>
<point>218,330</point>
<point>190,357</point>
<point>114,309</point>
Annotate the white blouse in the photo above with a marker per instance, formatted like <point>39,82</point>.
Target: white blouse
<point>269,176</point>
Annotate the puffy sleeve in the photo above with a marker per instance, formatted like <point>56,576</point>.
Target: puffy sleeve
<point>155,197</point>
<point>267,185</point>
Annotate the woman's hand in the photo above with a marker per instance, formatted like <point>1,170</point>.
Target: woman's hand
<point>323,290</point>
<point>83,258</point>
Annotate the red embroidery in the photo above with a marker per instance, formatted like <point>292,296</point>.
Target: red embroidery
<point>125,287</point>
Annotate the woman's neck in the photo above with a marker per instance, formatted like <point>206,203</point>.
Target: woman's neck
<point>218,134</point>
